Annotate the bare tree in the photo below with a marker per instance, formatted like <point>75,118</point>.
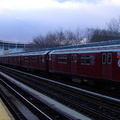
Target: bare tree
<point>60,35</point>
<point>68,37</point>
<point>88,34</point>
<point>79,35</point>
<point>51,40</point>
<point>39,42</point>
<point>57,38</point>
<point>97,35</point>
<point>114,25</point>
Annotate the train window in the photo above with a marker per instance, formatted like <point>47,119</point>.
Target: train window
<point>14,59</point>
<point>21,58</point>
<point>40,58</point>
<point>103,58</point>
<point>83,60</point>
<point>73,58</point>
<point>87,60</point>
<point>109,58</point>
<point>26,58</point>
<point>53,58</point>
<point>62,59</point>
<point>92,60</point>
<point>34,58</point>
<point>65,59</point>
<point>18,59</point>
<point>58,58</point>
<point>43,58</point>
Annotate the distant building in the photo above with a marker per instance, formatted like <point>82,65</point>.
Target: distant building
<point>10,47</point>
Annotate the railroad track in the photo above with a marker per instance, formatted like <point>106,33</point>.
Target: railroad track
<point>94,105</point>
<point>38,108</point>
<point>14,110</point>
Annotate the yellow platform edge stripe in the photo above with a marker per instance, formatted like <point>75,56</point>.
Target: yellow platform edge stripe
<point>4,112</point>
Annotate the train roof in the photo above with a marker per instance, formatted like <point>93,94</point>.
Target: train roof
<point>72,48</point>
<point>107,48</point>
<point>92,44</point>
<point>27,53</point>
<point>35,53</point>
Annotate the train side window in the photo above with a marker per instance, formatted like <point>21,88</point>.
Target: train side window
<point>65,59</point>
<point>34,59</point>
<point>54,58</point>
<point>18,58</point>
<point>73,58</point>
<point>103,58</point>
<point>12,58</point>
<point>58,58</point>
<point>83,59</point>
<point>109,58</point>
<point>92,60</point>
<point>26,58</point>
<point>88,60</point>
<point>43,58</point>
<point>40,58</point>
<point>22,58</point>
<point>62,59</point>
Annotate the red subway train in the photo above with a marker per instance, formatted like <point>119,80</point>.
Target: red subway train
<point>88,65</point>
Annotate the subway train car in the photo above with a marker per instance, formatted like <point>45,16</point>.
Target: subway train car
<point>35,60</point>
<point>27,60</point>
<point>14,60</point>
<point>93,65</point>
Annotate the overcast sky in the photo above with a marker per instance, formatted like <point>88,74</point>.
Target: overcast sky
<point>21,20</point>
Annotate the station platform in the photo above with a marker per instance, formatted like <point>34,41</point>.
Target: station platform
<point>4,112</point>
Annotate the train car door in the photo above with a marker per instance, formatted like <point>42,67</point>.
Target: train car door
<point>74,63</point>
<point>107,65</point>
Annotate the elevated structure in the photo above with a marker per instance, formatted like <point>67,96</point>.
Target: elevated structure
<point>10,47</point>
